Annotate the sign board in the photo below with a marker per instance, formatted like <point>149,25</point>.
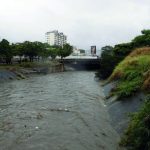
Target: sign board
<point>93,50</point>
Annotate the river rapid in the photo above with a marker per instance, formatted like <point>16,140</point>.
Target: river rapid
<point>59,111</point>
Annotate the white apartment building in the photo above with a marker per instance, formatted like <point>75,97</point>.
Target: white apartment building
<point>55,38</point>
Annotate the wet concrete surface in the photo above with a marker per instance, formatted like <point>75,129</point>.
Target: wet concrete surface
<point>60,111</point>
<point>119,109</point>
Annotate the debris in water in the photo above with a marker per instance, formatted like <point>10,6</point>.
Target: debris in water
<point>36,127</point>
<point>66,110</point>
<point>39,116</point>
<point>103,134</point>
<point>60,109</point>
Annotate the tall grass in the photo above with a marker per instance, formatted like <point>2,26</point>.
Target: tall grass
<point>133,73</point>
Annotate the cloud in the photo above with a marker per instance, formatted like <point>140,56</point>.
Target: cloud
<point>85,22</point>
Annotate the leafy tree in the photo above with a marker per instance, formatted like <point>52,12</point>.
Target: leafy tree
<point>6,51</point>
<point>65,51</point>
<point>18,50</point>
<point>146,32</point>
<point>53,52</point>
<point>142,40</point>
<point>123,49</point>
<point>106,50</point>
<point>39,48</point>
<point>107,62</point>
<point>31,49</point>
<point>114,55</point>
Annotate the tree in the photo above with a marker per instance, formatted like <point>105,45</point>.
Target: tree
<point>65,51</point>
<point>6,51</point>
<point>123,49</point>
<point>53,52</point>
<point>107,62</point>
<point>31,49</point>
<point>106,50</point>
<point>142,40</point>
<point>146,32</point>
<point>39,48</point>
<point>18,50</point>
<point>115,55</point>
<point>110,57</point>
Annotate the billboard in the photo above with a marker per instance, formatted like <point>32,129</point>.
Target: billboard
<point>93,50</point>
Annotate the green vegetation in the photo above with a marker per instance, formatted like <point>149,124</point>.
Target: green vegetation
<point>31,51</point>
<point>65,51</point>
<point>133,73</point>
<point>112,56</point>
<point>129,65</point>
<point>137,136</point>
<point>5,51</point>
<point>107,58</point>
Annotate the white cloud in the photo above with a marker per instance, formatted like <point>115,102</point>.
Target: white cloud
<point>86,22</point>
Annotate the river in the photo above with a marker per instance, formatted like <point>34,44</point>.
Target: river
<point>59,111</point>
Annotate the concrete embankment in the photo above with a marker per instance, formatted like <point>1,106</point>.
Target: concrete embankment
<point>22,73</point>
<point>120,109</point>
<point>5,75</point>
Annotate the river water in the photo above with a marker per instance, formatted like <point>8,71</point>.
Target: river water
<point>60,111</point>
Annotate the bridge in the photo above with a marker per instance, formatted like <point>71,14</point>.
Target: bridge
<point>82,62</point>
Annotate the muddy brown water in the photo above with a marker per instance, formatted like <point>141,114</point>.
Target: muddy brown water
<point>60,111</point>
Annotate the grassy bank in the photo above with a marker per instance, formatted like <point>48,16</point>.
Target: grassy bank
<point>132,76</point>
<point>137,136</point>
<point>133,73</point>
<point>129,72</point>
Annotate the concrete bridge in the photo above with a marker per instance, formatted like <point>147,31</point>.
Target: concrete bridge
<point>82,62</point>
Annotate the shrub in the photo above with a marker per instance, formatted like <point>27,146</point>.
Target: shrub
<point>128,87</point>
<point>132,73</point>
<point>137,135</point>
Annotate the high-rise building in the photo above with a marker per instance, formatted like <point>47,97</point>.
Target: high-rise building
<point>55,38</point>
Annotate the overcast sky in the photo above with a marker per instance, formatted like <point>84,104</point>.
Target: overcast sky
<point>85,22</point>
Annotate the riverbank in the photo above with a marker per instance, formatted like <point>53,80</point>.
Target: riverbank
<point>13,72</point>
<point>126,94</point>
<point>119,109</point>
